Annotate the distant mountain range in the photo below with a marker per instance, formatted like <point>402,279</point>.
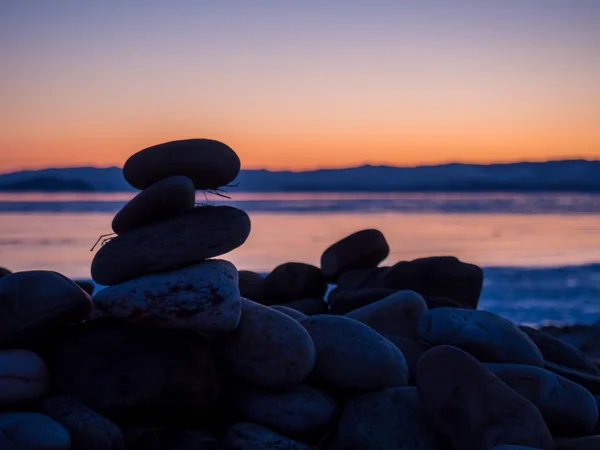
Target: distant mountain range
<point>566,175</point>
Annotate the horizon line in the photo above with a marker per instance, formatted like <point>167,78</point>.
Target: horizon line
<point>363,164</point>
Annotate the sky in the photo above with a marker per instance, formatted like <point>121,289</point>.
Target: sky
<point>300,84</point>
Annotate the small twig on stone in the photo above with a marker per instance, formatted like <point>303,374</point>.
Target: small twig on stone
<point>104,238</point>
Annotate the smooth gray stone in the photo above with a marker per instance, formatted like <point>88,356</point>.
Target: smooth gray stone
<point>511,447</point>
<point>35,302</point>
<point>294,281</point>
<point>252,285</point>
<point>296,411</point>
<point>467,404</point>
<point>581,443</point>
<point>88,429</point>
<point>249,436</point>
<point>398,314</point>
<point>23,377</point>
<point>209,164</point>
<point>32,431</point>
<point>268,348</point>
<point>125,370</point>
<point>485,335</point>
<point>294,314</point>
<point>560,352</point>
<point>364,249</point>
<point>389,419</point>
<point>192,237</point>
<point>204,298</point>
<point>164,199</point>
<point>350,355</point>
<point>309,306</point>
<point>568,408</point>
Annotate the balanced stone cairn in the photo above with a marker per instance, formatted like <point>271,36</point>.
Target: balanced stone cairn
<point>181,352</point>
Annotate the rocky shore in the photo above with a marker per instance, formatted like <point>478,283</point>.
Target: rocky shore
<point>181,351</point>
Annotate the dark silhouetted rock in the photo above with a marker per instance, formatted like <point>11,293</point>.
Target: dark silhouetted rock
<point>32,431</point>
<point>439,276</point>
<point>4,272</point>
<point>161,438</point>
<point>309,306</point>
<point>166,198</point>
<point>389,419</point>
<point>202,233</point>
<point>23,377</point>
<point>355,279</point>
<point>126,371</point>
<point>294,314</point>
<point>471,407</point>
<point>88,429</point>
<point>297,411</point>
<point>568,408</point>
<point>587,380</point>
<point>203,298</point>
<point>87,286</point>
<point>361,250</point>
<point>249,436</point>
<point>350,355</point>
<point>412,351</point>
<point>559,352</point>
<point>209,164</point>
<point>268,348</point>
<point>397,314</point>
<point>343,301</point>
<point>485,335</point>
<point>582,443</point>
<point>33,303</point>
<point>433,302</point>
<point>252,285</point>
<point>294,281</point>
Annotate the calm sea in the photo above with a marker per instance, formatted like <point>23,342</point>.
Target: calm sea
<point>540,252</point>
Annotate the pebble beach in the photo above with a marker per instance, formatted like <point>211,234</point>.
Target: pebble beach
<point>184,350</point>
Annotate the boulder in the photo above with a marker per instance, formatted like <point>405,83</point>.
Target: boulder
<point>127,371</point>
<point>294,281</point>
<point>309,306</point>
<point>252,285</point>
<point>294,314</point>
<point>581,443</point>
<point>350,355</point>
<point>161,438</point>
<point>397,314</point>
<point>87,286</point>
<point>296,411</point>
<point>560,352</point>
<point>485,335</point>
<point>412,351</point>
<point>4,272</point>
<point>202,233</point>
<point>88,429</point>
<point>439,302</point>
<point>32,431</point>
<point>355,279</point>
<point>249,436</point>
<point>202,298</point>
<point>23,377</point>
<point>343,301</point>
<point>35,302</point>
<point>467,404</point>
<point>209,164</point>
<point>364,249</point>
<point>268,348</point>
<point>587,380</point>
<point>162,200</point>
<point>568,409</point>
<point>389,419</point>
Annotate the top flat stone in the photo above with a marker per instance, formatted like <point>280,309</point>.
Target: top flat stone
<point>209,164</point>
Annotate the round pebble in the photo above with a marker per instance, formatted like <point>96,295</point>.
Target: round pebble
<point>32,431</point>
<point>294,281</point>
<point>23,377</point>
